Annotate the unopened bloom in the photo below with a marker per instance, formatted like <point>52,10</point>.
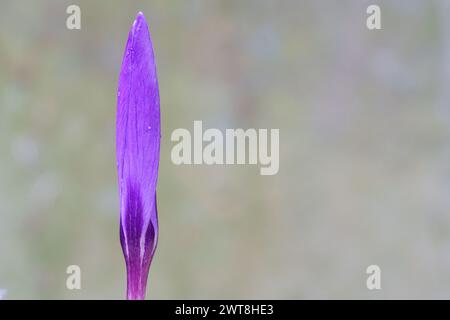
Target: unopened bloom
<point>138,135</point>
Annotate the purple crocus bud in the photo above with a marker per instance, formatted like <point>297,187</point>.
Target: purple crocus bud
<point>138,135</point>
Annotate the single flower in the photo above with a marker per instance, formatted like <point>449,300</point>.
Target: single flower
<point>138,135</point>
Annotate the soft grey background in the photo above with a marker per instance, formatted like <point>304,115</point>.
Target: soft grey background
<point>364,121</point>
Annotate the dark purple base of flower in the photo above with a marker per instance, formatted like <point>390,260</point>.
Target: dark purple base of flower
<point>137,282</point>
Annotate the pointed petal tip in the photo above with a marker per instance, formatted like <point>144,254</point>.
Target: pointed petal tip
<point>140,19</point>
<point>140,26</point>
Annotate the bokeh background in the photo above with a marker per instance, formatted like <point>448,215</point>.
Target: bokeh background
<point>364,121</point>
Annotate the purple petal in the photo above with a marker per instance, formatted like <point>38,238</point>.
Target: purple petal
<point>138,135</point>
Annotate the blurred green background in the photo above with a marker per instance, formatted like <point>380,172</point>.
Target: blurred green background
<point>364,121</point>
